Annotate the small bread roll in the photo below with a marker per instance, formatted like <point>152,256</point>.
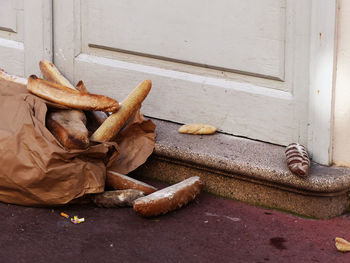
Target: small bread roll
<point>342,244</point>
<point>297,159</point>
<point>197,128</point>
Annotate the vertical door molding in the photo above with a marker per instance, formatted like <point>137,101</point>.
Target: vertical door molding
<point>37,34</point>
<point>66,35</point>
<point>322,68</point>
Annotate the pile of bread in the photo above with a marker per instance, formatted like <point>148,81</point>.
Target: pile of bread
<point>70,127</point>
<point>80,118</point>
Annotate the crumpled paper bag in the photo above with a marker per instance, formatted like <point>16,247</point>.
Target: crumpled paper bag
<point>35,170</point>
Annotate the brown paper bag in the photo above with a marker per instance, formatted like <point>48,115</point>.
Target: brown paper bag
<point>36,170</point>
<point>136,142</point>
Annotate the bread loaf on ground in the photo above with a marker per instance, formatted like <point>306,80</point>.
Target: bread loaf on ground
<point>117,198</point>
<point>120,181</point>
<point>169,198</point>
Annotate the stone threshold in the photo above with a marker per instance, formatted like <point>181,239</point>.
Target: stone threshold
<point>246,170</point>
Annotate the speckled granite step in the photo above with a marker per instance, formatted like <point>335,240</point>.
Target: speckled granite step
<point>246,170</point>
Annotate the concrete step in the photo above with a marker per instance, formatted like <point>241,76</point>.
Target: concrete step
<point>246,170</point>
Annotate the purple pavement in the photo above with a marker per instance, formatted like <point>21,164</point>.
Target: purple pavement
<point>210,229</point>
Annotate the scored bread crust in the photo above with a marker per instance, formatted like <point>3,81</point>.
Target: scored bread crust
<point>70,98</point>
<point>169,198</point>
<point>68,127</point>
<point>120,182</point>
<point>297,159</point>
<point>116,121</point>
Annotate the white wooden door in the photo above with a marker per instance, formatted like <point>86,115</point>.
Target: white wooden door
<point>241,65</point>
<point>25,35</point>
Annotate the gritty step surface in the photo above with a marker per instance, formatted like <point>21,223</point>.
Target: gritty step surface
<point>249,158</point>
<point>209,229</point>
<point>246,170</point>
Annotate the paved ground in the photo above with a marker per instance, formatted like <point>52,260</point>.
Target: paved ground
<point>209,229</point>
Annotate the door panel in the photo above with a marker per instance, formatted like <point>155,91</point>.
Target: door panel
<point>8,16</point>
<point>11,36</point>
<point>234,35</point>
<point>25,35</point>
<point>242,66</point>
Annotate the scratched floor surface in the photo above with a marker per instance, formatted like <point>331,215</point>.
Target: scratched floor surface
<point>210,229</point>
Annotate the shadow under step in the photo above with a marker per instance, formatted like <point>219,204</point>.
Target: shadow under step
<point>246,170</point>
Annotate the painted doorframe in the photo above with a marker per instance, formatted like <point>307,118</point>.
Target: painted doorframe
<point>38,42</point>
<point>322,79</point>
<point>321,66</point>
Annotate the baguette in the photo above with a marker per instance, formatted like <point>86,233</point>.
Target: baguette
<point>94,118</point>
<point>120,182</point>
<point>116,121</point>
<point>51,73</point>
<point>71,98</point>
<point>117,198</point>
<point>169,198</point>
<point>68,127</point>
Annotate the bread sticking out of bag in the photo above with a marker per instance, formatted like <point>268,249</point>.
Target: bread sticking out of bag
<point>81,87</point>
<point>12,80</point>
<point>94,118</point>
<point>68,127</point>
<point>71,98</point>
<point>51,73</point>
<point>113,124</point>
